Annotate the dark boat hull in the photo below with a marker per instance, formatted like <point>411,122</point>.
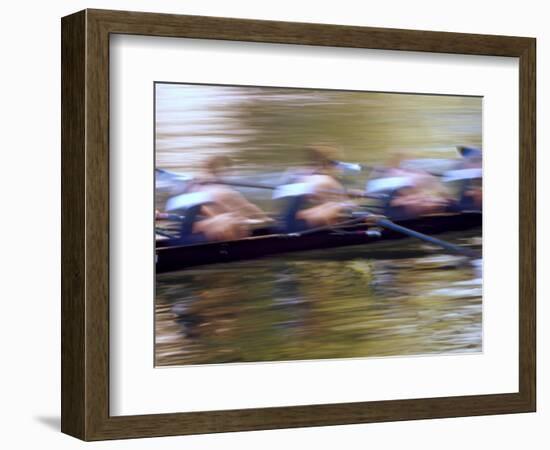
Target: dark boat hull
<point>177,257</point>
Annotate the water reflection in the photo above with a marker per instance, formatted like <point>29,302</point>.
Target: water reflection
<point>311,306</point>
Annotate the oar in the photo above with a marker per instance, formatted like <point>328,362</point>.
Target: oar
<point>167,216</point>
<point>353,193</point>
<point>240,184</point>
<point>385,223</point>
<point>185,178</point>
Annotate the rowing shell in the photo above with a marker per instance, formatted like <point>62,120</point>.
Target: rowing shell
<point>171,257</point>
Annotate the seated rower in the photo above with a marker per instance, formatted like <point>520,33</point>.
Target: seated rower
<point>408,192</point>
<point>467,179</point>
<point>315,197</point>
<point>213,211</point>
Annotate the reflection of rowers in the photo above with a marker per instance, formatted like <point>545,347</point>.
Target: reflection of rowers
<point>214,211</point>
<point>315,197</point>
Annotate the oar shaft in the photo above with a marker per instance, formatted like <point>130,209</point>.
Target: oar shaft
<point>355,194</point>
<point>167,216</point>
<point>443,244</point>
<point>242,184</point>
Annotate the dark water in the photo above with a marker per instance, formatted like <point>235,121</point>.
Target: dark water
<point>402,298</point>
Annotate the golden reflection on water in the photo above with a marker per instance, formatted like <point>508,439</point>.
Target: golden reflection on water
<point>316,305</point>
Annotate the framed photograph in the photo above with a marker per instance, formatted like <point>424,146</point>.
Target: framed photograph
<point>273,225</point>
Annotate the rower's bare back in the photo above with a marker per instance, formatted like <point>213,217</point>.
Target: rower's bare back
<point>227,216</point>
<point>330,205</point>
<point>225,200</point>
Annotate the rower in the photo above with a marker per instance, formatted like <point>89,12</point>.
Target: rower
<point>314,196</point>
<point>467,177</point>
<point>213,211</point>
<point>407,192</point>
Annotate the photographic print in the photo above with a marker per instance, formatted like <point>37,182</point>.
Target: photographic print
<point>304,224</point>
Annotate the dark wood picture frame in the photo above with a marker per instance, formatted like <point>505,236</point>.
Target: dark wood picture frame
<point>85,224</point>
